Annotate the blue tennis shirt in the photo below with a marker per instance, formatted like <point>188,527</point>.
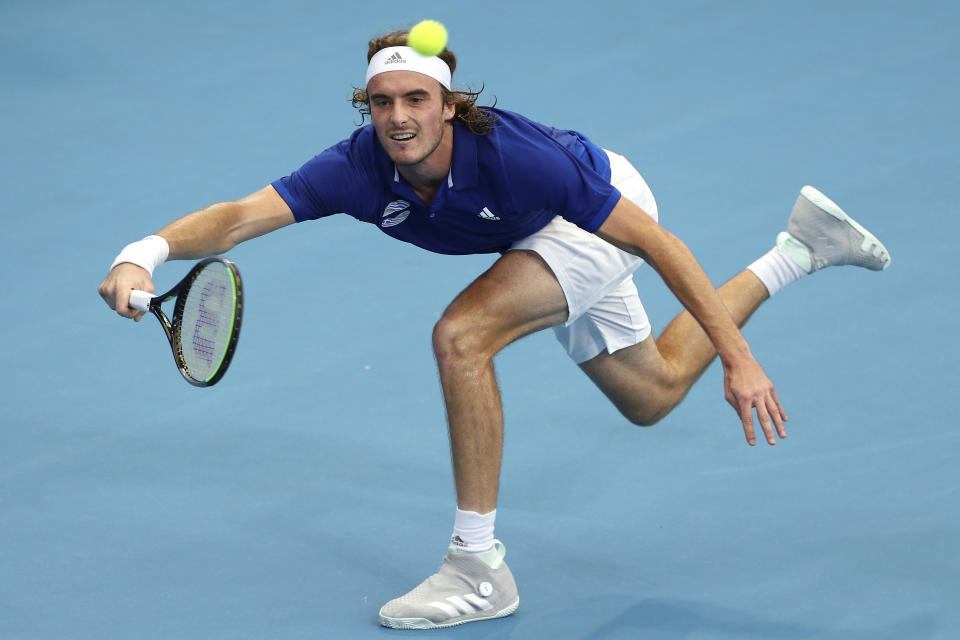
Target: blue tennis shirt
<point>502,187</point>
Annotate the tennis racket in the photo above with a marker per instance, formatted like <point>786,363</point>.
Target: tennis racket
<point>206,318</point>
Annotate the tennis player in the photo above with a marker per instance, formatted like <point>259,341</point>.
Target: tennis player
<point>571,222</point>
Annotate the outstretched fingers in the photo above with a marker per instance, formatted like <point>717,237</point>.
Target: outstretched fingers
<point>779,415</point>
<point>770,415</point>
<point>746,417</point>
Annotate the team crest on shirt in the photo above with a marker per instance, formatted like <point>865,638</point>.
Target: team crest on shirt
<point>395,213</point>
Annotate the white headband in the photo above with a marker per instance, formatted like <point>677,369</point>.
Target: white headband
<point>408,59</point>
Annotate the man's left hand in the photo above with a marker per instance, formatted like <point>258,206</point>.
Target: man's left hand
<point>748,389</point>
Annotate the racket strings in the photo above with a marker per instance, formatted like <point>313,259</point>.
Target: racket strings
<point>207,321</point>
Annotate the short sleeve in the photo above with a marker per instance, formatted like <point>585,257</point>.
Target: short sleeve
<point>338,180</point>
<point>565,184</point>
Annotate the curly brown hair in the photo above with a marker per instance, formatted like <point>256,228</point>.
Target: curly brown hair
<point>479,120</point>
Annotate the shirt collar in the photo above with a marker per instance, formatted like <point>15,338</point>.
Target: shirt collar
<point>464,172</point>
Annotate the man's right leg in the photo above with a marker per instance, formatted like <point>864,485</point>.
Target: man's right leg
<point>517,296</point>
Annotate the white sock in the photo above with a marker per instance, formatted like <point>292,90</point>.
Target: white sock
<point>776,270</point>
<point>472,531</point>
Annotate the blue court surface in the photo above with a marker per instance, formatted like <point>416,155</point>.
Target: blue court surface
<point>313,483</point>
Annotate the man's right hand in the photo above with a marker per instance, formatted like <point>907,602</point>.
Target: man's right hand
<point>211,230</point>
<point>116,287</point>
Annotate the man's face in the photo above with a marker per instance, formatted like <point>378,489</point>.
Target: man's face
<point>409,115</point>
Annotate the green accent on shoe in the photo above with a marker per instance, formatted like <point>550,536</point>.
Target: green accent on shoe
<point>795,250</point>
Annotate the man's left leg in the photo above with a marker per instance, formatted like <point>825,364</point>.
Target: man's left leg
<point>648,379</point>
<point>517,296</point>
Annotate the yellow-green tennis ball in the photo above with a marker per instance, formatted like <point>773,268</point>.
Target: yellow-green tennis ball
<point>429,37</point>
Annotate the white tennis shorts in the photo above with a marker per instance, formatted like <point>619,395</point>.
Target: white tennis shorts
<point>605,313</point>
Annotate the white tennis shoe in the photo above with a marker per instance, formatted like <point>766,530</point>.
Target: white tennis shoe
<point>468,587</point>
<point>819,234</point>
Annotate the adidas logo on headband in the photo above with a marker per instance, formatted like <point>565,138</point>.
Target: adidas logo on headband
<point>386,59</point>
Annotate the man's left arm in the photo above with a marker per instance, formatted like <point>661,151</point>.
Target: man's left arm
<point>746,385</point>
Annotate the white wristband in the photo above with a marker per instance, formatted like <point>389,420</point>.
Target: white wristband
<point>148,253</point>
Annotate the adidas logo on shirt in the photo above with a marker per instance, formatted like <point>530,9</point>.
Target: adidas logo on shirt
<point>394,59</point>
<point>486,214</point>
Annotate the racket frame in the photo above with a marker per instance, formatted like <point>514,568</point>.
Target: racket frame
<point>172,327</point>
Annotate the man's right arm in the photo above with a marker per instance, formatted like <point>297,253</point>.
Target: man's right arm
<point>214,229</point>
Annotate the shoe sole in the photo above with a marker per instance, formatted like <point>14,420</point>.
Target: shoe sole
<point>423,623</point>
<point>830,207</point>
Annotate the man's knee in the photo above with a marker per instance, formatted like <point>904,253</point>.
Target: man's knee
<point>456,337</point>
<point>643,416</point>
<point>653,408</point>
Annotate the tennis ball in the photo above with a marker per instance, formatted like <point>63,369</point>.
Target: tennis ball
<point>428,37</point>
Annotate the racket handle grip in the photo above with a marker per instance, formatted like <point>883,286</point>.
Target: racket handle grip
<point>140,300</point>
